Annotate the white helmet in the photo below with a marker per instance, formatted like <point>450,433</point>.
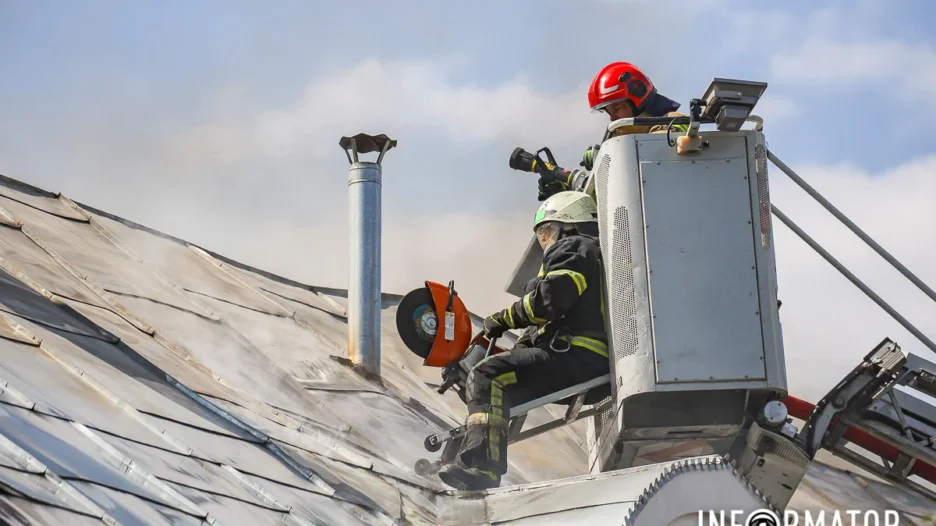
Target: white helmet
<point>564,208</point>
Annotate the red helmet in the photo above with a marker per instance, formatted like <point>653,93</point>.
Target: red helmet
<point>620,81</point>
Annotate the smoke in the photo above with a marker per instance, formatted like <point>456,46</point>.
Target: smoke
<point>264,183</point>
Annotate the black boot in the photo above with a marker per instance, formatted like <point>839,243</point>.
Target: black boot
<point>461,477</point>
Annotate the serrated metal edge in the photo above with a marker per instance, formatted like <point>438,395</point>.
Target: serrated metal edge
<point>695,464</point>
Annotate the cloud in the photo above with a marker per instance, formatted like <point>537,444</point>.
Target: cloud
<point>776,108</point>
<point>829,324</point>
<point>396,97</point>
<point>895,70</point>
<point>477,251</point>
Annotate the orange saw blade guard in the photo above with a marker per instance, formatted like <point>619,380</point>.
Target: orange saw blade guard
<point>452,341</point>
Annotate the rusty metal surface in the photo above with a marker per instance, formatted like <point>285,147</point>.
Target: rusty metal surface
<point>146,381</point>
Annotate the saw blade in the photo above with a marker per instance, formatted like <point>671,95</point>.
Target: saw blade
<point>417,321</point>
<point>708,463</point>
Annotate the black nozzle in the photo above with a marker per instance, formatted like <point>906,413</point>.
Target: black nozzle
<point>522,160</point>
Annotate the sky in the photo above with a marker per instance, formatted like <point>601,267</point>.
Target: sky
<point>218,122</point>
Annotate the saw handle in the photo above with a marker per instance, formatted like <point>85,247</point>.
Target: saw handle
<point>453,378</point>
<point>490,347</point>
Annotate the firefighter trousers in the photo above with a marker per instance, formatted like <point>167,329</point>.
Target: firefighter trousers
<point>511,378</point>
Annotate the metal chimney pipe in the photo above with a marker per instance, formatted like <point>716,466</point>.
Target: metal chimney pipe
<point>364,302</point>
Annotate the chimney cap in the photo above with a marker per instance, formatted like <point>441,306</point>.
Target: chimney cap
<point>364,143</point>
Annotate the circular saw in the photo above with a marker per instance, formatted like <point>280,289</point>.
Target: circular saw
<point>433,322</point>
<point>417,321</point>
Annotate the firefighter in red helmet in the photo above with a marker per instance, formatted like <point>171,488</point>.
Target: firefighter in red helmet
<point>622,90</point>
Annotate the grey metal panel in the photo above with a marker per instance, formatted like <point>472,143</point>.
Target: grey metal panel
<point>383,417</point>
<point>131,510</point>
<point>28,370</point>
<point>110,366</point>
<point>45,201</point>
<point>239,454</point>
<point>189,270</point>
<point>63,449</point>
<point>313,507</point>
<point>618,192</point>
<point>702,386</point>
<point>232,511</point>
<point>317,439</point>
<point>182,469</point>
<point>722,145</point>
<point>225,352</point>
<point>31,485</point>
<point>21,512</point>
<point>93,255</point>
<point>596,490</point>
<point>703,280</point>
<point>23,302</point>
<point>358,486</point>
<point>765,253</point>
<point>527,268</point>
<point>172,361</point>
<point>28,267</point>
<point>609,514</point>
<point>292,293</point>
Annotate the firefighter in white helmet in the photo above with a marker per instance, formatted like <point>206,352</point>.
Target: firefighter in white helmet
<point>565,343</point>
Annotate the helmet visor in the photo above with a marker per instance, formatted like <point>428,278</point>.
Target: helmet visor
<point>547,233</point>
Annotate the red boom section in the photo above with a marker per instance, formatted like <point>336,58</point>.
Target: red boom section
<point>802,409</point>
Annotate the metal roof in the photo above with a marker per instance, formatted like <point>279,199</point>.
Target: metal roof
<point>145,380</point>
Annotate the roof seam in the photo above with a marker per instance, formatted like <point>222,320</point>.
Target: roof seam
<point>210,519</point>
<point>272,503</point>
<point>235,304</point>
<point>221,266</point>
<point>209,491</point>
<point>71,204</point>
<point>222,433</point>
<point>183,451</point>
<point>114,240</point>
<point>116,400</point>
<point>127,408</point>
<point>35,500</point>
<point>267,442</point>
<point>6,180</point>
<point>109,338</point>
<point>261,409</point>
<point>214,318</point>
<point>132,470</point>
<point>9,220</point>
<point>34,207</point>
<point>118,309</point>
<point>343,315</point>
<point>68,493</point>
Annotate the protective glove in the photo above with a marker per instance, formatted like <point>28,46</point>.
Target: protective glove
<point>547,190</point>
<point>495,326</point>
<point>588,160</point>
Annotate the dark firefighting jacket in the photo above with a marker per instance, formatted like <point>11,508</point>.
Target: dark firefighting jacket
<point>565,303</point>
